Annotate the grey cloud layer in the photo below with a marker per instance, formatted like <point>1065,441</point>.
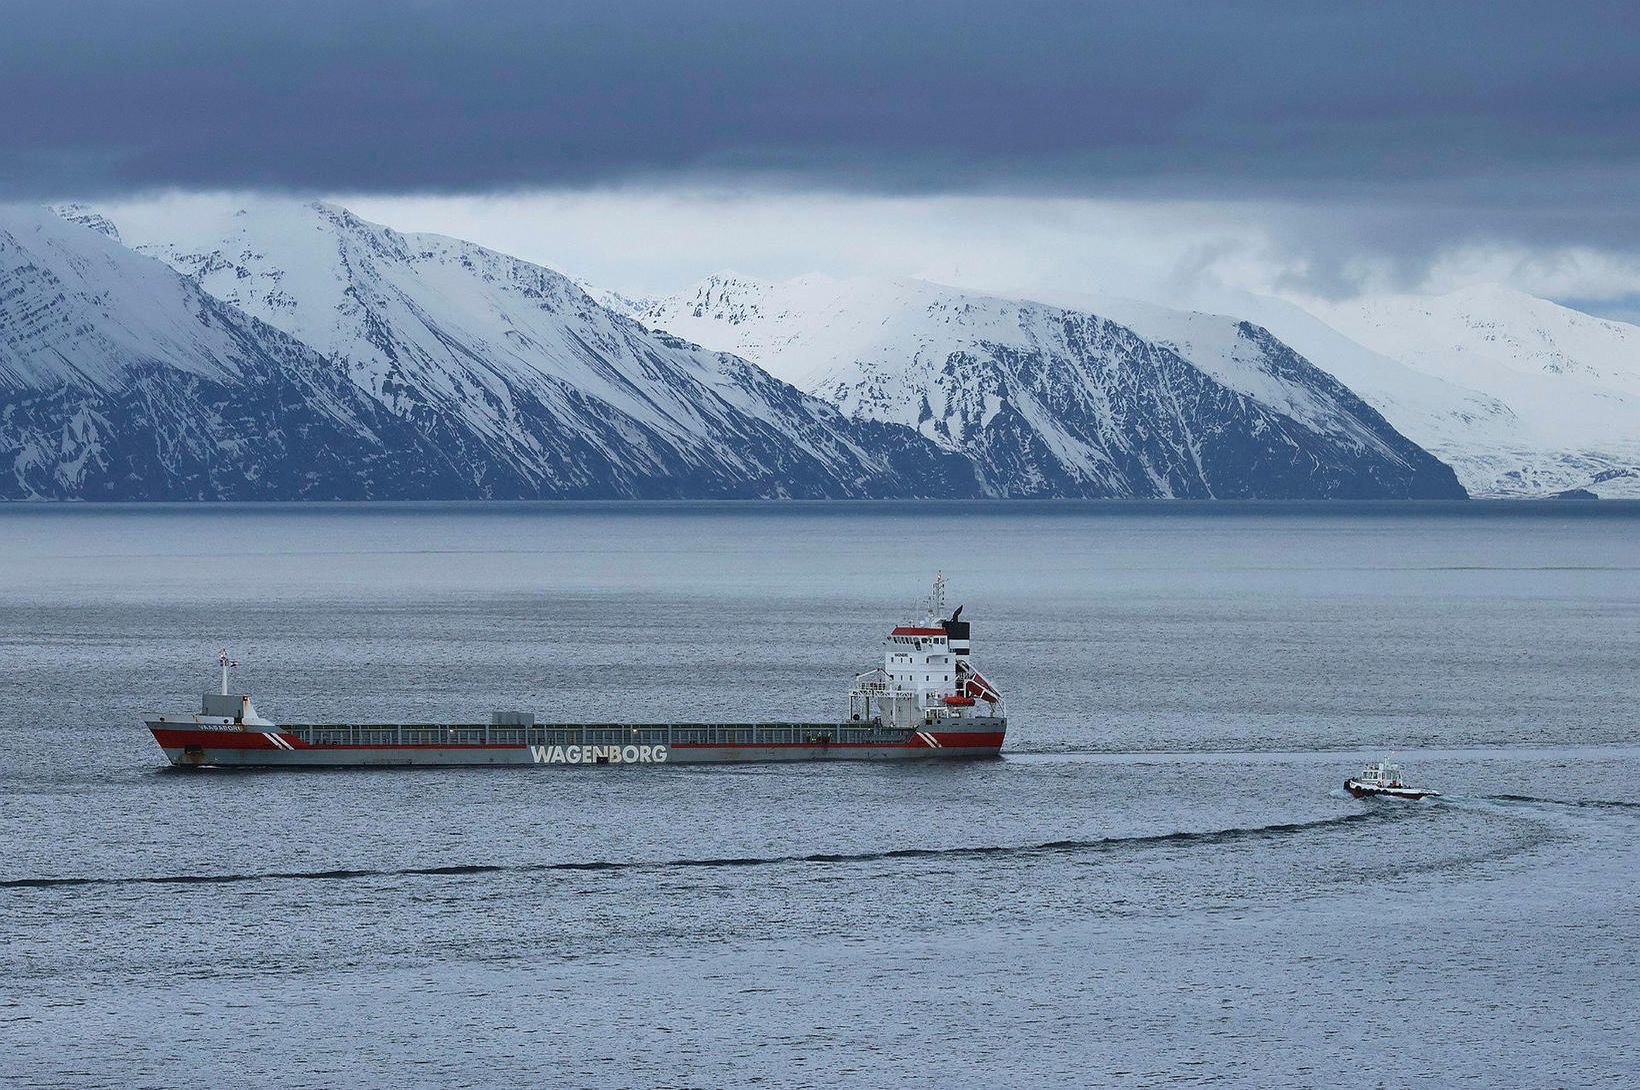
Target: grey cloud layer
<point>1515,101</point>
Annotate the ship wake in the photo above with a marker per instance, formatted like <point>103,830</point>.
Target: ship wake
<point>1203,838</point>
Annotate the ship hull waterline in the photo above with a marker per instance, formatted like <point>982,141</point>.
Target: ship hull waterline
<point>188,745</point>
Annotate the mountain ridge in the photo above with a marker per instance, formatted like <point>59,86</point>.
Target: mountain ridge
<point>1054,401</point>
<point>513,381</point>
<point>162,392</point>
<point>627,414</point>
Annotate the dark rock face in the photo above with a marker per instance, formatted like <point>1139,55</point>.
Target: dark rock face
<point>171,435</point>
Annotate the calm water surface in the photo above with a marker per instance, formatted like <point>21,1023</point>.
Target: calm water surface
<point>1162,883</point>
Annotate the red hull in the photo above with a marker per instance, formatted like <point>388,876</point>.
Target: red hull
<point>285,747</point>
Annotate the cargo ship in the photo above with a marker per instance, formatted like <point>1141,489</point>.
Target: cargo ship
<point>926,701</point>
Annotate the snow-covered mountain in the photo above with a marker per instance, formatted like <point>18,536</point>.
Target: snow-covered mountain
<point>304,352</point>
<point>1521,395</point>
<point>1054,401</point>
<point>1479,436</point>
<point>511,380</point>
<point>121,380</point>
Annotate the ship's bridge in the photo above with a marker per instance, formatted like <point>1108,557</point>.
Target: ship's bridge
<point>919,660</point>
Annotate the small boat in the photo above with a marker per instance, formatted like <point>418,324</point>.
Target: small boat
<point>1380,778</point>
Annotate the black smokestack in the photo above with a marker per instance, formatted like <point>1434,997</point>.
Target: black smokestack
<point>956,632</point>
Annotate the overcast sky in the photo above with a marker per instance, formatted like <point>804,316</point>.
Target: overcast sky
<point>1298,147</point>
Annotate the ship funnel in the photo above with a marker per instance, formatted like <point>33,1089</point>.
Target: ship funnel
<point>956,632</point>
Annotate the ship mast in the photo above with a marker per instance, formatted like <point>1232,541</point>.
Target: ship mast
<point>936,597</point>
<point>227,664</point>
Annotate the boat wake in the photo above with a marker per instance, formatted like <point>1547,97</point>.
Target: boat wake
<point>1048,848</point>
<point>1595,804</point>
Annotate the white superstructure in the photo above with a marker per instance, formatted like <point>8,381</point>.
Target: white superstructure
<point>926,674</point>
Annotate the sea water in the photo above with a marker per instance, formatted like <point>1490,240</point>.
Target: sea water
<point>1160,883</point>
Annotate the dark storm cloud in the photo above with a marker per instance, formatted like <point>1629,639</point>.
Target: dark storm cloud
<point>1498,105</point>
